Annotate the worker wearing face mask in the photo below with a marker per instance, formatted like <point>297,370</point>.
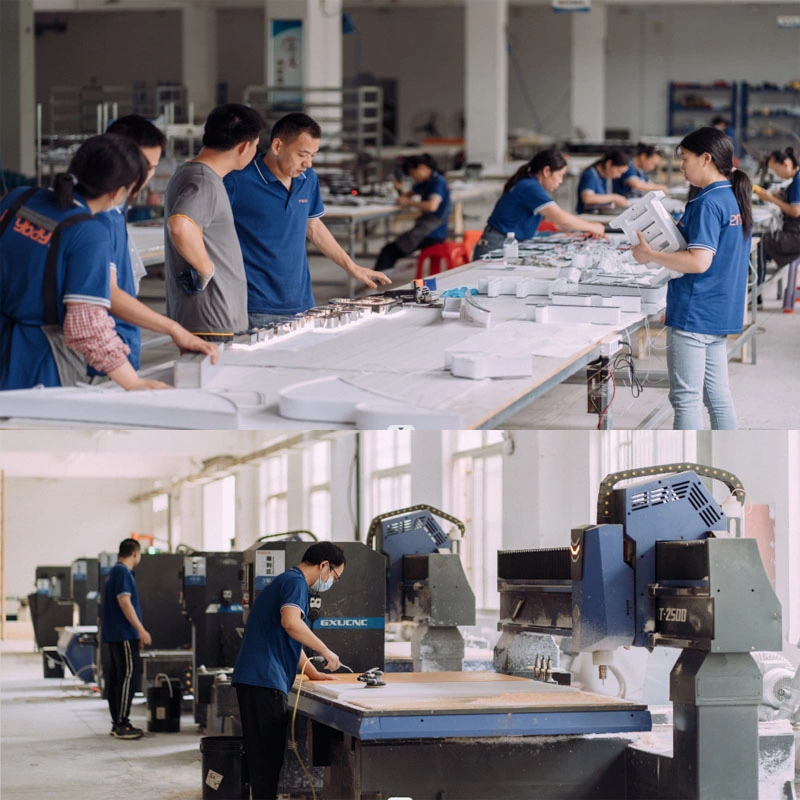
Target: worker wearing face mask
<point>271,655</point>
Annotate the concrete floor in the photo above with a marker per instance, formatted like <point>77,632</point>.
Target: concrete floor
<point>55,742</point>
<point>765,394</point>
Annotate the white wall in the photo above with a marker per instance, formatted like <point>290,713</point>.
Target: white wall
<point>424,50</point>
<point>107,49</point>
<point>51,522</point>
<point>650,46</point>
<point>240,46</point>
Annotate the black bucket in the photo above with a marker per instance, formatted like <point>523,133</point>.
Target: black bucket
<point>164,707</point>
<point>52,662</point>
<point>224,768</point>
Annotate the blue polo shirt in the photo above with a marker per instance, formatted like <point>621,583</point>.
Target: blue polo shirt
<point>83,277</point>
<point>114,222</point>
<point>520,209</point>
<point>116,627</point>
<point>712,302</point>
<point>268,656</point>
<point>793,191</point>
<point>436,184</point>
<point>271,223</point>
<point>590,179</point>
<point>621,185</point>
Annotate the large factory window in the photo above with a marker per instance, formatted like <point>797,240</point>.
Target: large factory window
<point>388,467</point>
<point>317,479</point>
<point>275,491</point>
<point>219,514</point>
<point>477,469</point>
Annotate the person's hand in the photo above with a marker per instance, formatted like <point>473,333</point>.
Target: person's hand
<point>619,201</point>
<point>145,639</point>
<point>147,383</point>
<point>642,252</point>
<point>404,202</point>
<point>191,281</point>
<point>331,660</point>
<point>597,230</point>
<point>188,341</point>
<point>370,277</point>
<point>316,675</point>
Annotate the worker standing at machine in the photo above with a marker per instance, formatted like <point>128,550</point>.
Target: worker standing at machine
<point>54,272</point>
<point>635,181</point>
<point>277,206</point>
<point>783,246</point>
<point>707,302</point>
<point>125,636</point>
<point>127,268</point>
<point>526,201</point>
<point>593,186</point>
<point>206,284</point>
<point>271,655</point>
<point>434,203</point>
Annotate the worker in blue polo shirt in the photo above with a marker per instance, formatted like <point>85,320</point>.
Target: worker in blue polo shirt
<point>127,268</point>
<point>526,201</point>
<point>434,203</point>
<point>271,655</point>
<point>593,185</point>
<point>634,180</point>
<point>707,302</point>
<point>124,635</point>
<point>276,205</point>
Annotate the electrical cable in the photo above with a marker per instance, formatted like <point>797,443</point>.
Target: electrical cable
<point>293,743</point>
<point>625,361</point>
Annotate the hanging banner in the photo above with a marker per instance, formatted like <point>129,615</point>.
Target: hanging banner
<point>287,59</point>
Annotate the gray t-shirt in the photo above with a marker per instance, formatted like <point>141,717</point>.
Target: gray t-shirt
<point>195,191</point>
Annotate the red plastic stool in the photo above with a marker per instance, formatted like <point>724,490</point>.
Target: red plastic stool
<point>451,254</point>
<point>471,238</point>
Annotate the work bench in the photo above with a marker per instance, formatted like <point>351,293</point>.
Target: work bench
<point>466,735</point>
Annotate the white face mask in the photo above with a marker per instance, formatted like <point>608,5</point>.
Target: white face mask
<point>322,586</point>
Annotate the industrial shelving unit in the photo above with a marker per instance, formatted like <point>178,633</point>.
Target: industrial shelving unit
<point>692,105</point>
<point>770,115</point>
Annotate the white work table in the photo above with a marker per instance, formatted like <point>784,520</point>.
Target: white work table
<point>398,357</point>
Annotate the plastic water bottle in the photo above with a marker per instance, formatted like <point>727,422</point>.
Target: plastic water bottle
<point>511,249</point>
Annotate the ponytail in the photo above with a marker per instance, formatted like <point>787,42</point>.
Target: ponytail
<point>552,158</point>
<point>742,190</point>
<point>101,165</point>
<point>720,147</point>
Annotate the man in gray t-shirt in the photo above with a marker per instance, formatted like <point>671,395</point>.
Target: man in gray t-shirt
<point>206,283</point>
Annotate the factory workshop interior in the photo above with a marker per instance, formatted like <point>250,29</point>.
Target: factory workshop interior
<point>469,253</point>
<point>531,614</point>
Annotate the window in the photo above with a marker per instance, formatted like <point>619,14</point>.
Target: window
<point>388,466</point>
<point>477,465</point>
<point>621,450</point>
<point>219,514</point>
<point>317,479</point>
<point>275,491</point>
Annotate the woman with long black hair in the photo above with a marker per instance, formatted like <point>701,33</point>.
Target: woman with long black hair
<point>595,190</point>
<point>707,302</point>
<point>55,272</point>
<point>783,246</point>
<point>526,201</point>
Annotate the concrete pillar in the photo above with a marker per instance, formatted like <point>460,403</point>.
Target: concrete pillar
<point>199,62</point>
<point>588,96</point>
<point>316,50</point>
<point>427,471</point>
<point>486,100</point>
<point>17,94</point>
<point>187,519</point>
<point>546,488</point>
<point>248,506</point>
<point>343,487</point>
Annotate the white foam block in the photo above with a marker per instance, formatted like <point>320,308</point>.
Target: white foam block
<point>602,315</point>
<point>648,216</point>
<point>477,366</point>
<point>517,286</point>
<point>195,370</point>
<point>629,303</point>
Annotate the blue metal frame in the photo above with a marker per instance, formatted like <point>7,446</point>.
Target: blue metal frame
<point>379,727</point>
